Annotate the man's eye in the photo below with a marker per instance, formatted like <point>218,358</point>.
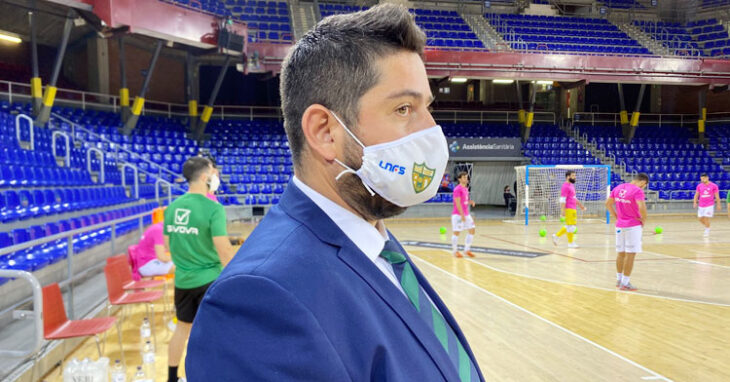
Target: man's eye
<point>404,110</point>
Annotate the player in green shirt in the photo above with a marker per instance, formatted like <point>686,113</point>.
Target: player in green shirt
<point>195,230</point>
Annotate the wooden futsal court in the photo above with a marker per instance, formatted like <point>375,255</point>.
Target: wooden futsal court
<point>559,317</point>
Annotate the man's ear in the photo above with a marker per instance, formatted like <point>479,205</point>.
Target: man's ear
<point>319,128</point>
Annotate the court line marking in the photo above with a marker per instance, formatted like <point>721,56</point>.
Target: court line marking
<point>591,261</point>
<point>510,303</point>
<point>597,287</point>
<point>534,248</point>
<point>679,299</point>
<point>691,260</point>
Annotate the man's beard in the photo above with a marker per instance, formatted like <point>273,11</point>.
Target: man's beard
<point>571,181</point>
<point>353,192</point>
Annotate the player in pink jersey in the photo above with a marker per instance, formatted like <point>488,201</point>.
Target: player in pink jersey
<point>628,208</point>
<point>461,219</point>
<point>706,195</point>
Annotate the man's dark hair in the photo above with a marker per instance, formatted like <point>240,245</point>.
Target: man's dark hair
<point>642,176</point>
<point>334,64</point>
<point>704,175</point>
<point>461,173</point>
<point>195,166</point>
<point>569,173</point>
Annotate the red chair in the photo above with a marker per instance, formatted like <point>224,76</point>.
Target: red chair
<point>115,272</point>
<point>57,326</point>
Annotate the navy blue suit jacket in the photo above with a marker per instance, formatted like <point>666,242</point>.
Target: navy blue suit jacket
<point>300,302</point>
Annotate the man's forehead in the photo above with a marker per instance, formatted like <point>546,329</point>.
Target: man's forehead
<point>403,74</point>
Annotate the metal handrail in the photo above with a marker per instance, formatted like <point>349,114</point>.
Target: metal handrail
<point>101,164</point>
<point>55,134</point>
<point>136,177</point>
<point>157,190</point>
<point>30,126</point>
<point>117,147</point>
<point>68,235</point>
<point>36,315</point>
<point>507,116</point>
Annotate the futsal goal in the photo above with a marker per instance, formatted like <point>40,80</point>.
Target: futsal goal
<point>538,191</point>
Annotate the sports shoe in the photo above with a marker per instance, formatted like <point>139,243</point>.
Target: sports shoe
<point>458,254</point>
<point>618,284</point>
<point>573,245</point>
<point>628,287</point>
<point>555,240</point>
<point>707,233</point>
<point>469,253</point>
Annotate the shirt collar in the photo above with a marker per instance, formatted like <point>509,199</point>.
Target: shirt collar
<point>365,236</point>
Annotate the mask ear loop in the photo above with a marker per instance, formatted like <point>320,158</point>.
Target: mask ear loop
<point>349,170</point>
<point>346,129</point>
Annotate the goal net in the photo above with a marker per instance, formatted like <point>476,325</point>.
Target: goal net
<point>538,191</point>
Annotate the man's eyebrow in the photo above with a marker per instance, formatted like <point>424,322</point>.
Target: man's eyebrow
<point>413,94</point>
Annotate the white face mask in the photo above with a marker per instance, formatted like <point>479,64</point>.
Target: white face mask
<point>406,171</point>
<point>214,183</point>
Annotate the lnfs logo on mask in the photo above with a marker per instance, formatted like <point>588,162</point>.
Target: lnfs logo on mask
<point>422,176</point>
<point>392,167</point>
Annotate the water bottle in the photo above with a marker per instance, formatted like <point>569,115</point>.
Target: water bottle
<point>118,372</point>
<point>145,331</point>
<point>139,375</point>
<point>148,360</point>
<point>71,371</point>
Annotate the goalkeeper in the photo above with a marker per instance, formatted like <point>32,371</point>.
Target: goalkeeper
<point>568,203</point>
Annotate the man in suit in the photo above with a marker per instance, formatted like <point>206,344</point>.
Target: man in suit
<point>321,291</point>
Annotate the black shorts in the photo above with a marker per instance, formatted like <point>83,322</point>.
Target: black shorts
<point>187,302</point>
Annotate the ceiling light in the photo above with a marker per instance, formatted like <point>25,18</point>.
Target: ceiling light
<point>458,80</point>
<point>503,82</point>
<point>5,36</point>
<point>544,82</point>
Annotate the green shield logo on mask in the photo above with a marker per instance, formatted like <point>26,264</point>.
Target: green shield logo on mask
<point>422,176</point>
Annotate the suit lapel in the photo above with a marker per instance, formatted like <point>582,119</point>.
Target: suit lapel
<point>393,297</point>
<point>297,205</point>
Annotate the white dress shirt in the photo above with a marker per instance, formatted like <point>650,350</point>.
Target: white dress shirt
<point>365,236</point>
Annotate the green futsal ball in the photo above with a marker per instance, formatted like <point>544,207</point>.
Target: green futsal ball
<point>442,230</point>
<point>576,231</point>
<point>562,219</point>
<point>543,233</point>
<point>658,230</point>
<point>543,218</point>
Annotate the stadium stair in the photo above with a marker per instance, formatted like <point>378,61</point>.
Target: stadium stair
<point>642,38</point>
<point>484,31</point>
<point>304,15</point>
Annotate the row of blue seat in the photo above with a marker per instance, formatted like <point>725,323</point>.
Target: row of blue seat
<point>30,204</point>
<point>266,188</point>
<point>260,178</point>
<point>683,195</point>
<point>37,257</point>
<point>683,185</point>
<point>35,176</point>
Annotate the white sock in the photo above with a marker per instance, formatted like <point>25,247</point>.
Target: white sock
<point>467,242</point>
<point>619,276</point>
<point>454,243</point>
<point>624,280</point>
